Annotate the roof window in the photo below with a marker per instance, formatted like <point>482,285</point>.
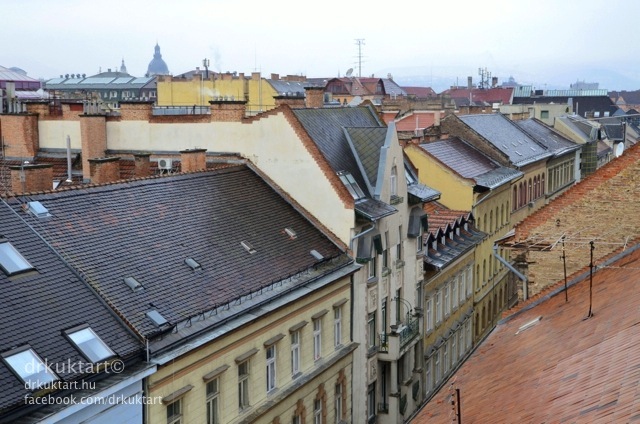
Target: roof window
<point>29,367</point>
<point>11,261</point>
<point>317,255</point>
<point>157,318</point>
<point>38,210</point>
<point>89,344</point>
<point>351,184</point>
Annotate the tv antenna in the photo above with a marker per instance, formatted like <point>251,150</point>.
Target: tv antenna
<point>485,78</point>
<point>360,43</point>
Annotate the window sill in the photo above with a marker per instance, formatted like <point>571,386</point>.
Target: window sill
<point>371,281</point>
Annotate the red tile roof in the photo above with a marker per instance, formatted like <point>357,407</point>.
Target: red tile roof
<point>418,119</point>
<point>491,95</point>
<point>420,92</point>
<point>562,368</point>
<point>440,216</point>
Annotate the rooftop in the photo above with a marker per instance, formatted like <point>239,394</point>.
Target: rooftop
<point>549,364</point>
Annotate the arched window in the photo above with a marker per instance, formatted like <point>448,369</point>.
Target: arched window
<point>515,197</point>
<point>543,187</point>
<point>535,187</point>
<point>530,198</point>
<point>490,222</point>
<point>502,214</point>
<point>484,270</point>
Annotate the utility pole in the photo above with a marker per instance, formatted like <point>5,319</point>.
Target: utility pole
<point>360,43</point>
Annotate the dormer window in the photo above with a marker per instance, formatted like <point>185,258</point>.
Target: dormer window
<point>11,261</point>
<point>89,344</point>
<point>29,367</point>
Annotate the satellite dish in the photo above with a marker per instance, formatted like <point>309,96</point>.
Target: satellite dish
<point>349,72</point>
<point>618,150</point>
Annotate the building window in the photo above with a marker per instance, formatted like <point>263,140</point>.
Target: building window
<point>372,265</point>
<point>393,181</point>
<point>371,402</point>
<point>243,385</point>
<point>461,287</point>
<point>544,114</point>
<point>271,367</point>
<point>297,419</point>
<point>428,377</point>
<point>317,411</point>
<point>446,300</point>
<point>454,294</point>
<point>11,261</point>
<point>469,281</point>
<point>29,367</point>
<point>295,353</point>
<point>428,314</point>
<point>90,345</point>
<point>437,368</point>
<point>438,307</point>
<point>317,339</point>
<point>213,393</point>
<point>371,325</point>
<point>174,412</point>
<point>337,326</point>
<point>338,402</point>
<point>399,246</point>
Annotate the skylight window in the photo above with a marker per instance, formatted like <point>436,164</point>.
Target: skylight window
<point>29,367</point>
<point>193,264</point>
<point>90,345</point>
<point>317,255</point>
<point>39,210</point>
<point>157,318</point>
<point>11,261</point>
<point>351,184</point>
<point>292,234</point>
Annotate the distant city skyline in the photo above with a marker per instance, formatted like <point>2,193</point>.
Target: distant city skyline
<point>546,44</point>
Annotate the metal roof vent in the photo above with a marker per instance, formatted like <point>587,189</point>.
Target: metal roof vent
<point>247,246</point>
<point>157,319</point>
<point>133,284</point>
<point>316,255</point>
<point>192,263</point>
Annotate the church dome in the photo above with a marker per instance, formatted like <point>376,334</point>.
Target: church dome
<point>157,66</point>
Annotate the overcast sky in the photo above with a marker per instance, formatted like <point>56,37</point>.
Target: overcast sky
<point>537,42</point>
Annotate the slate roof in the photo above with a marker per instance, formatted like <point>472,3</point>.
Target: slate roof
<point>561,369</point>
<point>147,228</point>
<point>289,88</point>
<point>366,144</point>
<point>441,222</point>
<point>507,137</point>
<point>581,104</point>
<point>36,306</point>
<point>547,136</point>
<point>588,130</point>
<point>326,129</point>
<point>468,162</point>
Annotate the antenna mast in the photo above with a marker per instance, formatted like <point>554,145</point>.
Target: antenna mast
<point>360,43</point>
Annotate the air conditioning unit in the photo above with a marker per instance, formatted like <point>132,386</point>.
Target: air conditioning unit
<point>165,163</point>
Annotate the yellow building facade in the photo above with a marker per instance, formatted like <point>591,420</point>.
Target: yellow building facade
<point>292,362</point>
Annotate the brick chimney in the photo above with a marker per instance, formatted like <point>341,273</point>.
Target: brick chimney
<point>294,102</point>
<point>135,110</point>
<point>315,97</point>
<point>20,134</point>
<point>31,178</point>
<point>93,134</point>
<point>104,170</point>
<point>227,110</point>
<point>142,164</point>
<point>193,160</point>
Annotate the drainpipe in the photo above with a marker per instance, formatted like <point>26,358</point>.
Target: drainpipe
<point>69,175</point>
<point>525,281</point>
<point>361,233</point>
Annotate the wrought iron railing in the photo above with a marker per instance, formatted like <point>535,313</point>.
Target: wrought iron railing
<point>383,345</point>
<point>409,331</point>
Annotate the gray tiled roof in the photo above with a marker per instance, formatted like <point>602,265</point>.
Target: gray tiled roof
<point>148,228</point>
<point>36,306</point>
<point>288,87</point>
<point>326,129</point>
<point>507,137</point>
<point>366,143</point>
<point>373,209</point>
<point>551,139</point>
<point>469,162</point>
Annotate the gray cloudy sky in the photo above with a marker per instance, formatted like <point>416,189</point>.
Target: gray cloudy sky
<point>542,42</point>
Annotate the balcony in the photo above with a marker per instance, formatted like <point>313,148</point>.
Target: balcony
<point>383,345</point>
<point>408,331</point>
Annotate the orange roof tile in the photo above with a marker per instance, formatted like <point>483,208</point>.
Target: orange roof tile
<point>440,216</point>
<point>418,120</point>
<point>563,368</point>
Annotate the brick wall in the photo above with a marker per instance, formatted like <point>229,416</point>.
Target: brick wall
<point>598,208</point>
<point>93,133</point>
<point>104,170</point>
<point>295,102</point>
<point>36,177</point>
<point>142,165</point>
<point>20,134</point>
